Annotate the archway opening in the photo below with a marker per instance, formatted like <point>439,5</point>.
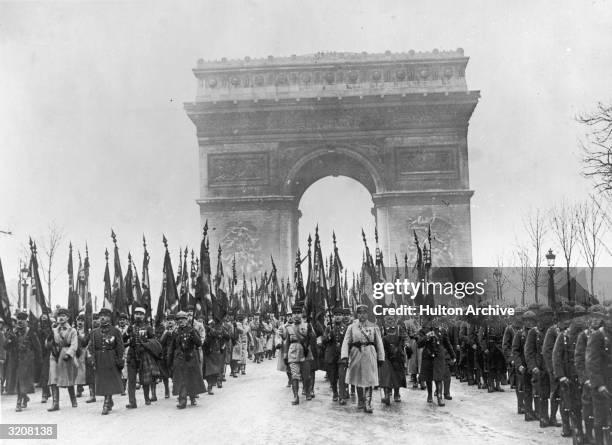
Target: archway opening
<point>342,205</point>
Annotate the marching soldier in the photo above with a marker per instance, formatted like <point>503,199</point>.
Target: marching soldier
<point>214,354</point>
<point>392,373</point>
<point>63,343</point>
<point>24,347</point>
<point>43,332</point>
<point>281,366</point>
<point>184,361</point>
<point>238,363</point>
<point>299,354</point>
<point>435,347</point>
<point>491,336</point>
<point>547,353</point>
<point>523,373</point>
<point>166,340</point>
<point>599,370</point>
<point>513,327</point>
<point>362,348</point>
<point>332,339</point>
<point>106,351</point>
<point>142,357</point>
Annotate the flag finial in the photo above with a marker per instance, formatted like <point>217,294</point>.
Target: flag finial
<point>165,241</point>
<point>106,254</point>
<point>114,237</point>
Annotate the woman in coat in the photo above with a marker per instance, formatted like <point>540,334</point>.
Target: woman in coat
<point>362,348</point>
<point>63,365</point>
<point>24,347</point>
<point>435,347</point>
<point>184,361</point>
<point>106,350</point>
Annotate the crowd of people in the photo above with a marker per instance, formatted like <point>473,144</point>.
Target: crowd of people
<point>558,362</point>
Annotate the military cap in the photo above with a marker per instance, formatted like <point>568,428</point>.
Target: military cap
<point>81,316</point>
<point>338,311</point>
<point>139,309</point>
<point>529,315</point>
<point>297,308</point>
<point>546,310</point>
<point>346,311</point>
<point>361,308</point>
<point>597,309</point>
<point>520,310</point>
<point>181,314</point>
<point>534,307</point>
<point>170,317</point>
<point>105,311</point>
<point>579,310</point>
<point>22,315</point>
<point>123,316</point>
<point>63,311</point>
<point>240,316</point>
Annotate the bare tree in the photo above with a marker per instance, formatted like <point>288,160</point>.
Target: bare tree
<point>535,225</point>
<point>564,222</point>
<point>597,146</point>
<point>524,269</point>
<point>503,277</point>
<point>50,242</point>
<point>591,222</point>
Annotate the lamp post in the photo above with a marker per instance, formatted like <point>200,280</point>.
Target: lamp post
<point>497,278</point>
<point>550,260</point>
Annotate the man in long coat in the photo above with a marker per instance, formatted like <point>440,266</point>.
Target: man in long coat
<point>44,330</point>
<point>435,349</point>
<point>184,361</point>
<point>25,349</point>
<point>106,352</point>
<point>63,366</point>
<point>332,340</point>
<point>299,356</point>
<point>214,354</point>
<point>362,348</point>
<point>392,374</point>
<point>238,363</point>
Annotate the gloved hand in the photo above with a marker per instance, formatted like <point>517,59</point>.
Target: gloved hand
<point>521,369</point>
<point>67,357</point>
<point>535,371</point>
<point>564,380</point>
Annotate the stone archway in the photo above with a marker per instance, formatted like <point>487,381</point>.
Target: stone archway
<point>397,123</point>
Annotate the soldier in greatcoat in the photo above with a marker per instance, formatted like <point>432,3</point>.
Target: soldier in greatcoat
<point>166,340</point>
<point>63,366</point>
<point>214,354</point>
<point>363,349</point>
<point>106,351</point>
<point>599,370</point>
<point>24,346</point>
<point>435,349</point>
<point>44,330</point>
<point>299,356</point>
<point>332,340</point>
<point>184,361</point>
<point>392,374</point>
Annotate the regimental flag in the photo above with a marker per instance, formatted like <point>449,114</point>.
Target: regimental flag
<point>397,297</point>
<point>335,285</point>
<point>380,264</point>
<point>220,304</point>
<point>128,285</point>
<point>245,297</point>
<point>37,303</point>
<point>298,279</point>
<point>83,291</point>
<point>5,304</point>
<point>168,299</point>
<point>119,297</point>
<point>203,280</point>
<point>193,280</point>
<point>73,302</point>
<point>318,294</point>
<point>275,293</point>
<point>108,291</point>
<point>184,283</point>
<point>145,300</point>
<point>368,278</point>
<point>419,298</point>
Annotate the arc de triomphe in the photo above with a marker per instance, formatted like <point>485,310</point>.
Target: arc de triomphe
<point>397,123</point>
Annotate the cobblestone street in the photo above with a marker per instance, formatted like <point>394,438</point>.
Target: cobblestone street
<point>256,409</point>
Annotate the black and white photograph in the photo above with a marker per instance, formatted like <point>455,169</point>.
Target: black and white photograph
<point>306,222</point>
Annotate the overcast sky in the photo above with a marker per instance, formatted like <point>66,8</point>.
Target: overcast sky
<point>94,135</point>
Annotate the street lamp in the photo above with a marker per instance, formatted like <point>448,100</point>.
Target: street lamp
<point>550,260</point>
<point>497,277</point>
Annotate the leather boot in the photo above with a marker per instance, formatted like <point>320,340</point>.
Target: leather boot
<point>396,395</point>
<point>106,406</point>
<point>368,400</point>
<point>439,393</point>
<point>154,392</point>
<point>193,401</point>
<point>72,395</point>
<point>45,394</point>
<point>124,381</point>
<point>166,389</point>
<point>55,397</point>
<point>606,435</point>
<point>182,403</point>
<point>599,436</point>
<point>24,400</point>
<point>145,391</point>
<point>536,407</point>
<point>565,421</point>
<point>588,430</point>
<point>92,395</point>
<point>295,387</point>
<point>386,399</point>
<point>520,408</point>
<point>360,398</point>
<point>554,406</point>
<point>79,392</point>
<point>415,384</point>
<point>544,420</point>
<point>18,407</point>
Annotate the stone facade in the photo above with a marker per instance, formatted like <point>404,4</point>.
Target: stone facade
<point>397,123</point>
